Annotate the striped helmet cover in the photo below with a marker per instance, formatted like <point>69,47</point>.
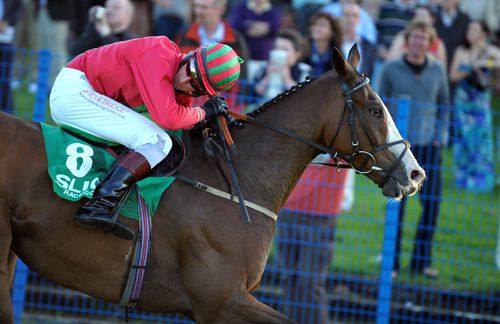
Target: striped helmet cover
<point>219,68</point>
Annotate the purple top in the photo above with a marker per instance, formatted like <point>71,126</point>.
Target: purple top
<point>241,17</point>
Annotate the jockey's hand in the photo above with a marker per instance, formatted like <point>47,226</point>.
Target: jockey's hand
<point>214,106</point>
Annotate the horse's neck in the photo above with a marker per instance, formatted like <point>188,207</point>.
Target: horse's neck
<point>275,162</point>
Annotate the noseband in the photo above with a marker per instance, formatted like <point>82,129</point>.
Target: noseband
<point>349,106</point>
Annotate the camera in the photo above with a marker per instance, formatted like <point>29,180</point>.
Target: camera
<point>99,13</point>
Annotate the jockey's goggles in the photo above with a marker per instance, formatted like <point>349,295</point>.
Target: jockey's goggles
<point>195,82</point>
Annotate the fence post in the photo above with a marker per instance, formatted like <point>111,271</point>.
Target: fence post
<point>390,230</point>
<point>39,108</point>
<point>43,73</point>
<point>19,290</point>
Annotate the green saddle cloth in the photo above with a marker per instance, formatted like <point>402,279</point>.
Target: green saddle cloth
<point>76,168</point>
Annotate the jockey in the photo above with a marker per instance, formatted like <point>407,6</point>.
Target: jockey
<point>93,93</point>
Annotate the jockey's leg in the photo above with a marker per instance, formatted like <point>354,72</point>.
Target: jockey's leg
<point>76,104</point>
<point>102,210</point>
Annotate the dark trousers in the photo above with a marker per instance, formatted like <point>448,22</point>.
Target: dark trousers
<point>6,61</point>
<point>429,158</point>
<point>305,245</point>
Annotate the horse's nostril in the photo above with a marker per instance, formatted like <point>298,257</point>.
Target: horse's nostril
<point>415,175</point>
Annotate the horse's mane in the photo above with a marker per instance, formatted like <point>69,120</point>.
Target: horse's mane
<point>287,93</point>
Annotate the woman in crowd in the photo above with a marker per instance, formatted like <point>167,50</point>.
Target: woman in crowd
<point>437,49</point>
<point>473,149</point>
<point>284,68</point>
<point>325,33</point>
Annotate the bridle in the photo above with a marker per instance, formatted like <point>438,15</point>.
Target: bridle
<point>335,155</point>
<point>349,106</point>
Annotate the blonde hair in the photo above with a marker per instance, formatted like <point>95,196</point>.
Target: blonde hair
<point>420,25</point>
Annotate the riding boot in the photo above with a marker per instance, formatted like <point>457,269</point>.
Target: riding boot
<point>102,210</point>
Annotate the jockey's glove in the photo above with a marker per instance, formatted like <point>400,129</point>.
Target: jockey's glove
<point>214,106</point>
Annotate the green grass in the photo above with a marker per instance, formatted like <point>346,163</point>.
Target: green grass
<point>464,244</point>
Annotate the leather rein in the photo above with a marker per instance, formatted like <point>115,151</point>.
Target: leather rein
<point>335,155</point>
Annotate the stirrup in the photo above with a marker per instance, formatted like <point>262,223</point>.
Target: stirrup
<point>107,225</point>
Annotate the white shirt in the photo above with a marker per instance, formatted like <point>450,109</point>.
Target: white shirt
<point>448,18</point>
<point>217,37</point>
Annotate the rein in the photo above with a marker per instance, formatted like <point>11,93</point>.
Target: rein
<point>349,106</point>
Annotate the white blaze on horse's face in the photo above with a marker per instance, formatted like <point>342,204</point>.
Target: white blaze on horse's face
<point>413,171</point>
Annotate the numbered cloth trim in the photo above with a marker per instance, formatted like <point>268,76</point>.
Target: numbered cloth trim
<point>76,167</point>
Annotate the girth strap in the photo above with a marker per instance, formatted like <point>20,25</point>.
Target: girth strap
<point>214,191</point>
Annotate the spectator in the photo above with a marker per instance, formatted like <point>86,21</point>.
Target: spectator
<point>424,81</point>
<point>437,49</point>
<point>472,67</point>
<point>258,21</point>
<point>484,10</point>
<point>285,67</point>
<point>10,13</point>
<point>307,9</point>
<point>210,28</point>
<point>81,16</point>
<point>451,26</point>
<point>52,28</point>
<point>105,26</point>
<point>325,34</point>
<point>142,20</point>
<point>306,237</point>
<point>351,13</point>
<point>170,17</point>
<point>366,28</point>
<point>392,19</point>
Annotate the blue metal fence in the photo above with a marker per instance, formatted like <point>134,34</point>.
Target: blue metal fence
<point>359,284</point>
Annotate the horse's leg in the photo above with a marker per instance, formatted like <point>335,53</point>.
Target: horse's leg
<point>11,263</point>
<point>242,307</point>
<point>5,275</point>
<point>218,294</point>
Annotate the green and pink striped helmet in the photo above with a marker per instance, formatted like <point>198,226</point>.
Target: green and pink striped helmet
<point>219,67</point>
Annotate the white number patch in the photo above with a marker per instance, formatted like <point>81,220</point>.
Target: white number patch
<point>79,160</point>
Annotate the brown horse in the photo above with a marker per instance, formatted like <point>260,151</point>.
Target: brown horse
<point>205,261</point>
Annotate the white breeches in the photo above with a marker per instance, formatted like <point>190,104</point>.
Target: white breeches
<point>75,103</point>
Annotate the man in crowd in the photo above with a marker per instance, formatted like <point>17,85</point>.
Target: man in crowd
<point>351,19</point>
<point>424,81</point>
<point>210,28</point>
<point>105,26</point>
<point>10,13</point>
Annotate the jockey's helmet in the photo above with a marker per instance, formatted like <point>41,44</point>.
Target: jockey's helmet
<point>214,67</point>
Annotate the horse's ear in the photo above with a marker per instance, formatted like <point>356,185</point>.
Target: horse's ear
<point>354,56</point>
<point>339,63</point>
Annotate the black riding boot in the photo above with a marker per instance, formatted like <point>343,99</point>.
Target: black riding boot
<point>102,210</point>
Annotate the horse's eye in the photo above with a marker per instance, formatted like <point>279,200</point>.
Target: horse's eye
<point>376,112</point>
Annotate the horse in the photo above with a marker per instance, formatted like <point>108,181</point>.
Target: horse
<point>205,261</point>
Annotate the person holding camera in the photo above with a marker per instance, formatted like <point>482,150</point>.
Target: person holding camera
<point>106,25</point>
<point>285,68</point>
<point>471,69</point>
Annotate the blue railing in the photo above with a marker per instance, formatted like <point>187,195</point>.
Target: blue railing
<point>359,283</point>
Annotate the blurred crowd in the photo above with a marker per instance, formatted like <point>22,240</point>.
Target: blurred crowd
<point>72,26</point>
